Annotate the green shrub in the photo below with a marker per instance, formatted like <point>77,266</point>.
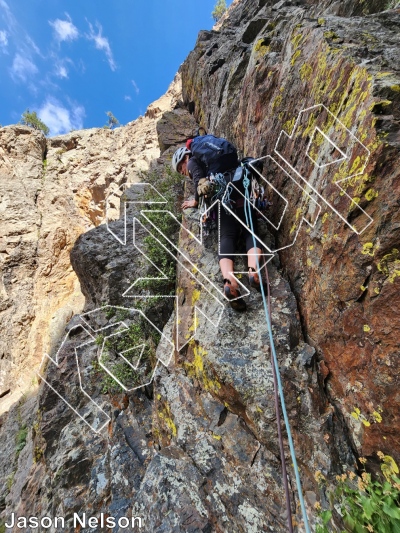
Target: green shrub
<point>112,121</point>
<point>170,186</point>
<point>138,332</point>
<point>219,10</point>
<point>32,120</point>
<point>363,503</point>
<point>20,439</point>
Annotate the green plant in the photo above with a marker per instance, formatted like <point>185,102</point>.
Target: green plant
<point>109,311</point>
<point>112,121</point>
<point>219,10</point>
<point>20,439</point>
<point>59,153</point>
<point>10,480</point>
<point>170,187</point>
<point>37,454</point>
<point>363,503</point>
<point>136,334</point>
<point>140,330</point>
<point>31,119</point>
<point>122,314</point>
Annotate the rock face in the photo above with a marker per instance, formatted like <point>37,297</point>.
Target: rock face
<point>191,444</point>
<point>52,191</point>
<point>265,65</point>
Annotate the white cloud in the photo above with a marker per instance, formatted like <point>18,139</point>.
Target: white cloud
<point>64,29</point>
<point>23,68</point>
<point>16,33</point>
<point>128,98</point>
<point>61,71</point>
<point>6,9</point>
<point>31,45</point>
<point>102,43</point>
<point>3,40</point>
<point>60,119</point>
<point>135,86</point>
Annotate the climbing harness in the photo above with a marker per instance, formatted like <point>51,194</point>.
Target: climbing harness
<point>223,193</point>
<point>208,218</point>
<point>277,379</point>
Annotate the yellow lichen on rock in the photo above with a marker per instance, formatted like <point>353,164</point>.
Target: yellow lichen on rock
<point>196,369</point>
<point>389,265</point>
<point>368,249</point>
<point>305,72</point>
<point>195,296</point>
<point>371,194</point>
<point>164,414</point>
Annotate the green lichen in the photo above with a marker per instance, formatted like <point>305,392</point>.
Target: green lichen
<point>164,414</point>
<point>261,48</point>
<point>295,56</point>
<point>305,72</point>
<point>375,106</point>
<point>296,39</point>
<point>37,454</point>
<point>289,125</point>
<point>195,296</point>
<point>331,35</point>
<point>380,75</point>
<point>389,265</point>
<point>354,203</point>
<point>368,249</point>
<point>371,194</point>
<point>196,369</point>
<point>277,101</point>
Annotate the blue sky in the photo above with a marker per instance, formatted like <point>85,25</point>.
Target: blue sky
<point>73,61</point>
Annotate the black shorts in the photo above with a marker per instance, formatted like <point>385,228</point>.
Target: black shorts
<point>229,229</point>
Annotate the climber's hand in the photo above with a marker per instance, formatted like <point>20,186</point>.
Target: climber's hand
<point>189,203</point>
<point>204,187</point>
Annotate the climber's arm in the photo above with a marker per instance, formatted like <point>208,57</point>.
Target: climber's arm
<point>196,172</point>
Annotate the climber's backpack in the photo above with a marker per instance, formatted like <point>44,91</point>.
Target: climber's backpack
<point>216,153</point>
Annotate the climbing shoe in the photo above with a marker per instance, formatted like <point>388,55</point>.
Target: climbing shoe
<point>233,294</point>
<point>254,281</point>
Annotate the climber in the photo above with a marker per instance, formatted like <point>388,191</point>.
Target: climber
<point>188,164</point>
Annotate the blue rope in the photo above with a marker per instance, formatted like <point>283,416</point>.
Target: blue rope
<point>246,182</point>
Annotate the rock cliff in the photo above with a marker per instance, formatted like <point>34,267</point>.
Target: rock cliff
<point>52,191</point>
<point>195,448</point>
<point>266,65</point>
